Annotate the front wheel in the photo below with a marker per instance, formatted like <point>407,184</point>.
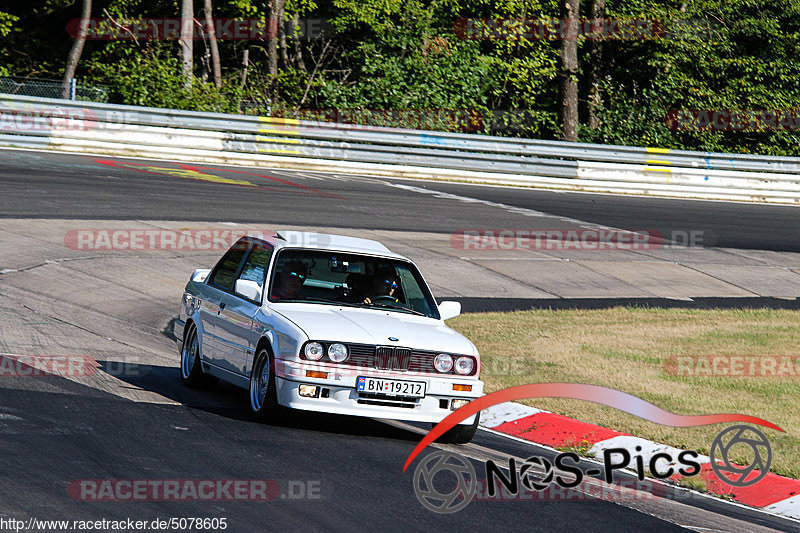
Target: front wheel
<point>191,370</point>
<point>263,396</point>
<point>461,434</point>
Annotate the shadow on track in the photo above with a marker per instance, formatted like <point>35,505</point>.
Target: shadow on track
<point>232,402</point>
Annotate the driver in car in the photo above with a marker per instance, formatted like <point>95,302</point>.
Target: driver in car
<point>289,281</point>
<point>384,285</point>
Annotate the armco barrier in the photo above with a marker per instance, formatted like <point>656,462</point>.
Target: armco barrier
<point>88,127</point>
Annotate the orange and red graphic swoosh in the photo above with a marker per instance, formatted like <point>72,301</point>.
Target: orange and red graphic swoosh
<point>577,391</point>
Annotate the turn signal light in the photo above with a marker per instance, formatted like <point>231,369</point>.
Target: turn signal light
<point>462,388</point>
<point>316,374</point>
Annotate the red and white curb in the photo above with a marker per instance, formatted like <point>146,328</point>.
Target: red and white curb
<point>775,494</point>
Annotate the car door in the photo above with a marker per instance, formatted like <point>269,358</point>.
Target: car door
<point>219,284</point>
<point>237,332</point>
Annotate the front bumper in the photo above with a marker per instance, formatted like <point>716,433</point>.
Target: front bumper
<point>342,397</point>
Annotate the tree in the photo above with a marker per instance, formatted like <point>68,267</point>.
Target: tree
<point>7,21</point>
<point>212,37</point>
<point>597,11</point>
<point>569,71</point>
<point>186,42</point>
<point>298,49</point>
<point>77,49</point>
<point>276,8</point>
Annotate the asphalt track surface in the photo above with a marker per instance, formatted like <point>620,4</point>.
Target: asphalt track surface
<point>55,431</point>
<point>71,186</point>
<point>73,433</point>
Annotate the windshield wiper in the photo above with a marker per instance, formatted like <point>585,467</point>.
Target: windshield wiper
<point>324,300</point>
<point>396,308</point>
<point>362,306</point>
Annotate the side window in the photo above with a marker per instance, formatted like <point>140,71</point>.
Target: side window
<point>413,290</point>
<point>225,272</point>
<point>255,267</point>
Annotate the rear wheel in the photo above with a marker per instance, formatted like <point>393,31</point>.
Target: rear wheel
<point>263,396</point>
<point>191,369</point>
<point>461,434</point>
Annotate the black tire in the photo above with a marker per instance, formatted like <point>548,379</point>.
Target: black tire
<point>192,374</point>
<point>461,434</point>
<point>263,394</point>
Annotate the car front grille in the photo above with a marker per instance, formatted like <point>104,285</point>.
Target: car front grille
<point>390,358</point>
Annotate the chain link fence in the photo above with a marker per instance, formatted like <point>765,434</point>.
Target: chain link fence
<point>251,106</point>
<point>47,88</point>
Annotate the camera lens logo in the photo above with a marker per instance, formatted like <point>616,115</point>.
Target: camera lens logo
<point>543,464</point>
<point>445,502</point>
<point>737,475</point>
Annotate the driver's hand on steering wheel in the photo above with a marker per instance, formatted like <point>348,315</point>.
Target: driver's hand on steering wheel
<point>381,298</point>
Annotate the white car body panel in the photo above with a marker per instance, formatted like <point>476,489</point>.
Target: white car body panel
<point>372,326</point>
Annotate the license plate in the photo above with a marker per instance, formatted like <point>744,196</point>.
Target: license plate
<point>392,387</point>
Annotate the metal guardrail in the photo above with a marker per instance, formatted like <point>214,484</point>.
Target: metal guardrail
<point>91,127</point>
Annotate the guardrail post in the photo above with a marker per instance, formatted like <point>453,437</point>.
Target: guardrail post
<point>72,89</point>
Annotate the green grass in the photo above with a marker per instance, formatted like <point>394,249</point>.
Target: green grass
<point>627,349</point>
<point>694,483</point>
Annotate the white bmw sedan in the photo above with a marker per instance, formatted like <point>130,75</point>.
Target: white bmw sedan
<point>327,323</point>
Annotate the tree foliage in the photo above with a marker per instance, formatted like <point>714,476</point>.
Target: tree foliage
<point>410,55</point>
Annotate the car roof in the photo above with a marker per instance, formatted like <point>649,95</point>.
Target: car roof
<point>327,241</point>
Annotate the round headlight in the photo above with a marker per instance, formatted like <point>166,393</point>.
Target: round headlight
<point>464,365</point>
<point>337,352</point>
<point>314,351</point>
<point>443,362</point>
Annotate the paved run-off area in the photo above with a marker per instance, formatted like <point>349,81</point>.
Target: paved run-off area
<point>480,271</point>
<point>54,287</point>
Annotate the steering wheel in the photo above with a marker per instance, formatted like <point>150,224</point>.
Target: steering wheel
<point>386,300</point>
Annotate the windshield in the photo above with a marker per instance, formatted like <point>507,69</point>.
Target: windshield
<point>356,280</point>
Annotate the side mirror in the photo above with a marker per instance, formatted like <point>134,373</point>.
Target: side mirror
<point>449,310</point>
<point>200,275</point>
<point>248,289</point>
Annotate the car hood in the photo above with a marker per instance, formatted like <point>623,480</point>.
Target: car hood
<point>370,326</point>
